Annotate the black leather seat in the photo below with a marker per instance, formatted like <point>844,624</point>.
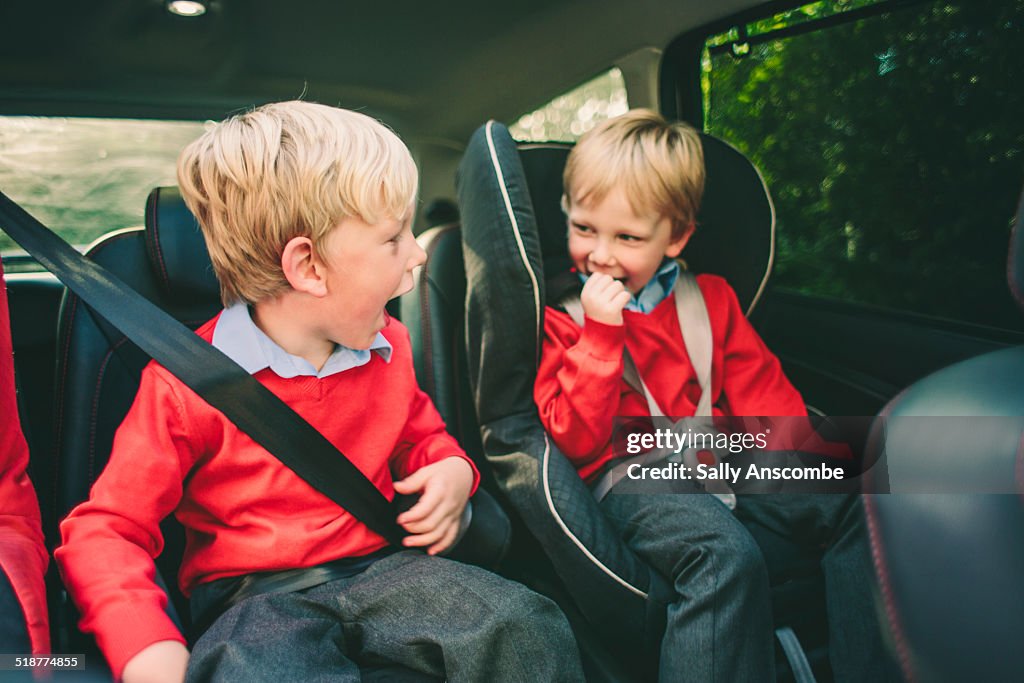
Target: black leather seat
<point>476,355</point>
<point>433,312</point>
<point>948,543</point>
<point>98,374</point>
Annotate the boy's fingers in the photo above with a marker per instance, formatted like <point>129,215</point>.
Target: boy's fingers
<point>433,521</point>
<point>446,542</point>
<point>420,540</point>
<point>413,483</point>
<point>423,508</point>
<point>609,290</point>
<point>598,285</point>
<point>604,284</point>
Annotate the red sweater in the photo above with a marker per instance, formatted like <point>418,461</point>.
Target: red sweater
<point>580,390</point>
<point>242,509</point>
<point>23,555</point>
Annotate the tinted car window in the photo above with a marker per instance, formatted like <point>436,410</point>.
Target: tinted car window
<point>85,177</point>
<point>570,115</point>
<point>892,143</point>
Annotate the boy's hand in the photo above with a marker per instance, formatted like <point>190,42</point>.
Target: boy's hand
<point>163,661</point>
<point>444,489</point>
<point>603,298</point>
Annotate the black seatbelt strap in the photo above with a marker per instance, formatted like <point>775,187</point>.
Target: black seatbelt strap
<point>217,379</point>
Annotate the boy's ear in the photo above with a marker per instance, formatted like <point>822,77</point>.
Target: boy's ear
<point>564,203</point>
<point>302,267</point>
<point>676,246</point>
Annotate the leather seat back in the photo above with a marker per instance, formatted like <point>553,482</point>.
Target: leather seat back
<point>947,541</point>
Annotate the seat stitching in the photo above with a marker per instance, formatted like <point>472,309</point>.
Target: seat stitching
<point>93,418</point>
<point>888,598</point>
<point>153,235</point>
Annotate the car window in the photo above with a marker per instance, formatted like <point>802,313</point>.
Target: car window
<point>890,136</point>
<point>570,115</point>
<point>85,177</point>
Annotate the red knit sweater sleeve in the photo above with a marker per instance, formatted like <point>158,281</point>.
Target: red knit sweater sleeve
<point>425,440</point>
<point>578,384</point>
<point>110,540</point>
<point>752,379</point>
<point>755,386</point>
<point>23,554</point>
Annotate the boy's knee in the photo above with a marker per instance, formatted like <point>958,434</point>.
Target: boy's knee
<point>738,557</point>
<point>530,612</point>
<point>524,637</point>
<point>529,622</point>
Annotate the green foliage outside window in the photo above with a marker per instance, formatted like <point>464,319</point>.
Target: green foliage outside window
<point>894,149</point>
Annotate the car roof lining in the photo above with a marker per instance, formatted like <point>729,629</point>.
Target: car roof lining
<point>404,63</point>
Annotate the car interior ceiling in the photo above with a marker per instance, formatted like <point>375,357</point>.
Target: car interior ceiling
<point>406,64</point>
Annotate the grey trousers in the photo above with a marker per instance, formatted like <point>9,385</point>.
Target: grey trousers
<point>430,614</point>
<point>834,526</point>
<point>720,626</point>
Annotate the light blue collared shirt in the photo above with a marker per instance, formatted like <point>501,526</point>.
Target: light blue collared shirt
<point>243,342</point>
<point>655,291</point>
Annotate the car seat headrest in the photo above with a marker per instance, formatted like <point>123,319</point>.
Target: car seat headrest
<point>1015,262</point>
<point>542,166</point>
<point>176,248</point>
<point>735,235</point>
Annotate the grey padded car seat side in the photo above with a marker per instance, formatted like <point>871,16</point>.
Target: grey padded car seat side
<point>433,313</point>
<point>504,194</point>
<point>950,564</point>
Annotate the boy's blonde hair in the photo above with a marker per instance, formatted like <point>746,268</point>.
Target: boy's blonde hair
<point>285,170</point>
<point>659,165</point>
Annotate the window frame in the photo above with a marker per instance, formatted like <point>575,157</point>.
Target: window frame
<point>680,80</point>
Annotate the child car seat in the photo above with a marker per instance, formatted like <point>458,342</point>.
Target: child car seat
<point>513,230</point>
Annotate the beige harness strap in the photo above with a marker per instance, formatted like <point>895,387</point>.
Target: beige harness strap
<point>695,328</point>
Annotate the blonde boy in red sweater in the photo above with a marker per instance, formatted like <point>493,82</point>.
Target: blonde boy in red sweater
<point>632,189</point>
<point>306,211</point>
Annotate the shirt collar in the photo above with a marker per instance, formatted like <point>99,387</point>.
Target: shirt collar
<point>655,291</point>
<point>238,337</point>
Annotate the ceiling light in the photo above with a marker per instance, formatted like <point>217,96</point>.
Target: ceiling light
<point>186,8</point>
